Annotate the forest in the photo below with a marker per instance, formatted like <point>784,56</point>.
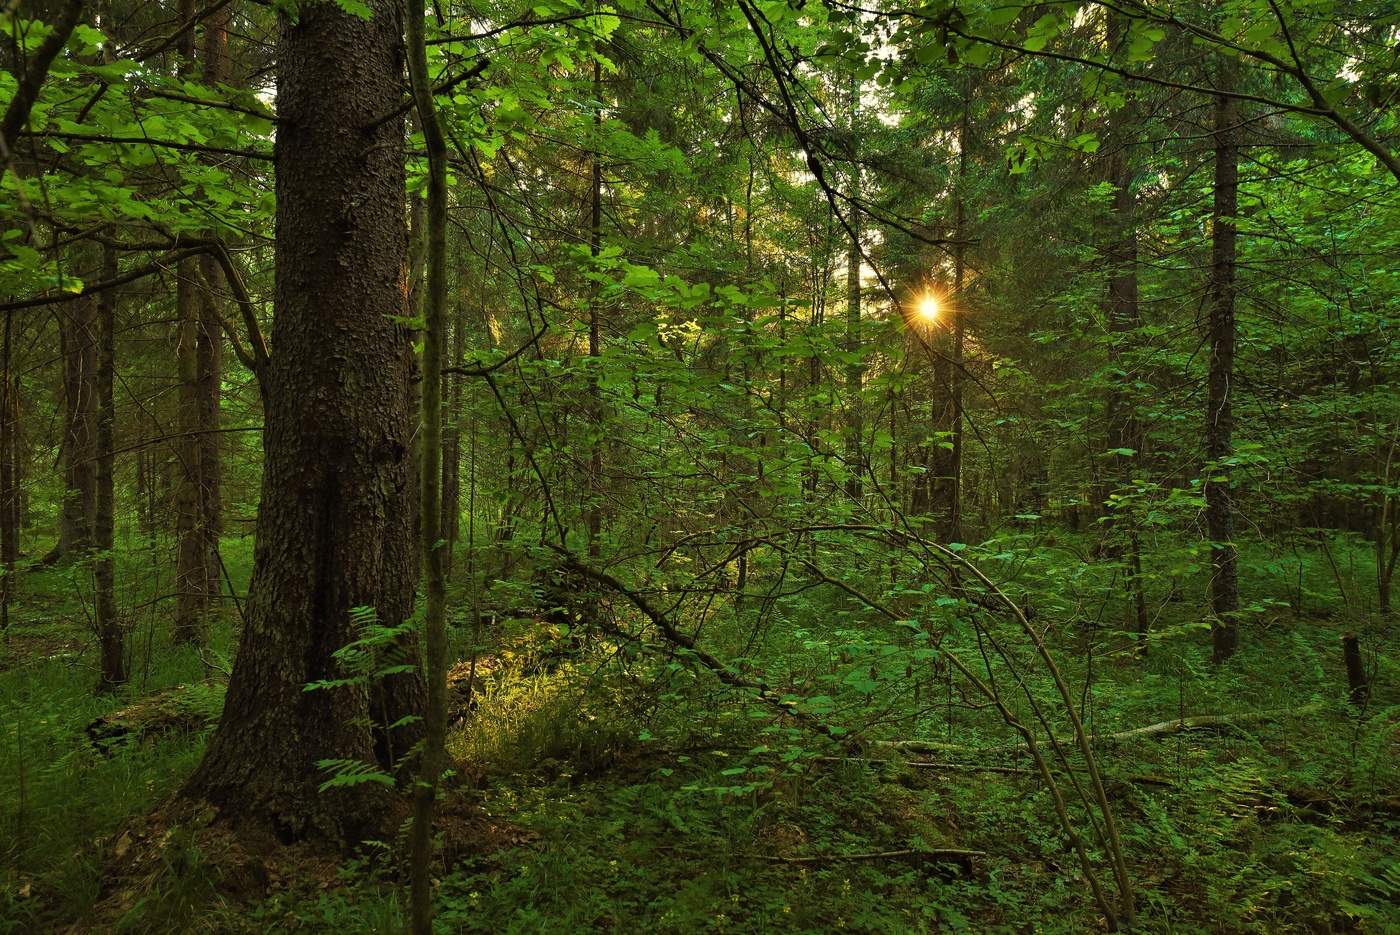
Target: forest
<point>739,466</point>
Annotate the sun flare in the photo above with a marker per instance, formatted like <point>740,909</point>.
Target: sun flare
<point>928,308</point>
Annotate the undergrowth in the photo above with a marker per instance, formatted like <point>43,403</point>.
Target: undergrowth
<point>602,785</point>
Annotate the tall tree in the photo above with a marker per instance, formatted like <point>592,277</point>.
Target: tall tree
<point>110,634</point>
<point>452,444</point>
<point>199,365</point>
<point>9,451</point>
<point>77,325</point>
<point>9,471</point>
<point>1220,515</point>
<point>594,510</point>
<point>334,528</point>
<point>1125,432</point>
<point>855,427</point>
<point>432,547</point>
<point>945,474</point>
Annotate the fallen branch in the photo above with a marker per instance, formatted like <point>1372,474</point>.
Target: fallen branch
<point>1162,728</point>
<point>964,767</point>
<point>926,764</point>
<point>954,855</point>
<point>718,668</point>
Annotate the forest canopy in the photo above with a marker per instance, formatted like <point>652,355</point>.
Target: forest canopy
<point>770,465</point>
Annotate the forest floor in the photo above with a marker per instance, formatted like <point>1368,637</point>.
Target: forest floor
<point>590,794</point>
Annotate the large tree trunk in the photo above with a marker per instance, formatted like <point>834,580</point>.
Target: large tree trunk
<point>334,530</point>
<point>1220,519</point>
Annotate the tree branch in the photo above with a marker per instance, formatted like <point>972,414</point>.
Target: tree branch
<point>31,79</point>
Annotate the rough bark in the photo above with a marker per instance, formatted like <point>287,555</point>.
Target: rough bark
<point>334,530</point>
<point>1220,518</point>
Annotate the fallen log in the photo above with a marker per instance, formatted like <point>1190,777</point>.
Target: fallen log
<point>180,709</point>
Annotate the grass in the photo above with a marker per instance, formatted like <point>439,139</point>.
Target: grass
<point>61,800</point>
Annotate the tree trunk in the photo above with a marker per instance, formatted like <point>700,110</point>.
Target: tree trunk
<point>1386,532</point>
<point>452,447</point>
<point>1220,519</point>
<point>9,455</point>
<point>815,320</point>
<point>435,619</point>
<point>334,530</point>
<point>1358,685</point>
<point>854,376</point>
<point>945,474</point>
<point>146,495</point>
<point>198,356</point>
<point>1124,430</point>
<point>191,599</point>
<point>9,473</point>
<point>1125,435</point>
<point>594,509</point>
<point>110,635</point>
<point>209,371</point>
<point>77,337</point>
<point>209,364</point>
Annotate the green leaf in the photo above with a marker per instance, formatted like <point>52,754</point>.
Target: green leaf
<point>355,8</point>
